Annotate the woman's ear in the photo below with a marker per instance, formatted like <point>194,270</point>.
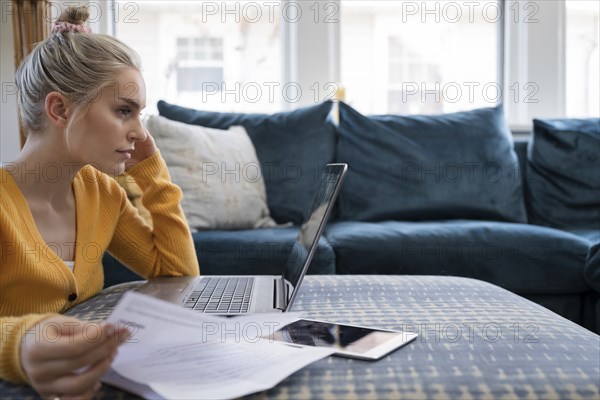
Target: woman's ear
<point>56,109</point>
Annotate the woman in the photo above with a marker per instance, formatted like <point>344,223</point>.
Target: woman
<point>79,97</point>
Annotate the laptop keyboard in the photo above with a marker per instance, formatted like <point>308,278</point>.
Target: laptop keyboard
<point>221,295</point>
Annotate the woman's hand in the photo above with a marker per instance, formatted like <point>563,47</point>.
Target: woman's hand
<point>143,150</point>
<point>65,357</point>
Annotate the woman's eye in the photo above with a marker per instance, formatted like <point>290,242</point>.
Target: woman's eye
<point>124,111</point>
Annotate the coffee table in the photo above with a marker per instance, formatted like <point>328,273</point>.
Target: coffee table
<point>476,340</point>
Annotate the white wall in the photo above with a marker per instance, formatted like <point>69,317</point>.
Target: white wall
<point>9,125</point>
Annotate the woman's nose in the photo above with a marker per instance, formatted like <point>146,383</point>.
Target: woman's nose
<point>137,133</point>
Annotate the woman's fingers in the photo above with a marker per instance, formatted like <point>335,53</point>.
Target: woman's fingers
<point>76,340</point>
<point>68,357</point>
<point>59,366</point>
<point>77,385</point>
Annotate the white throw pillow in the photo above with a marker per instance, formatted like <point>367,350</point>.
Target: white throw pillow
<point>218,172</point>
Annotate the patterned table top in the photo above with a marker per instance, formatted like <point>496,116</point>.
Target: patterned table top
<point>476,340</point>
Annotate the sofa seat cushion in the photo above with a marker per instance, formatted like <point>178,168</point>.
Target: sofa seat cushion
<point>452,166</point>
<point>522,258</point>
<point>255,252</point>
<point>591,235</point>
<point>292,148</point>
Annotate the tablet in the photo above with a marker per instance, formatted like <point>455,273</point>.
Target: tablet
<point>347,340</point>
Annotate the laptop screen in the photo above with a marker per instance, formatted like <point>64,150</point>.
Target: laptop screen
<point>305,245</point>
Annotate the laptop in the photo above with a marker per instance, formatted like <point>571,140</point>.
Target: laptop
<point>238,295</point>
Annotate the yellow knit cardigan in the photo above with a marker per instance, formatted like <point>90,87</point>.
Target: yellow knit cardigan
<point>35,283</point>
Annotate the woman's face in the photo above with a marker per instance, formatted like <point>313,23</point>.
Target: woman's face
<point>109,130</point>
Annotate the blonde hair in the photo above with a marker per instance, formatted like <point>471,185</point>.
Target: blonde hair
<point>77,65</point>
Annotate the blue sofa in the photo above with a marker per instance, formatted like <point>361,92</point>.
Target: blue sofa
<point>426,195</point>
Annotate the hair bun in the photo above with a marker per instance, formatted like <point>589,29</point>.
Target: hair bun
<point>75,15</point>
<point>73,19</point>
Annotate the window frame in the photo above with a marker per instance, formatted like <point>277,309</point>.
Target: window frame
<point>525,55</point>
<point>533,77</point>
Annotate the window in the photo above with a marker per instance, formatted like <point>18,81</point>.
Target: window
<point>219,56</point>
<point>199,60</point>
<point>420,57</point>
<point>408,99</point>
<point>389,56</point>
<point>582,57</point>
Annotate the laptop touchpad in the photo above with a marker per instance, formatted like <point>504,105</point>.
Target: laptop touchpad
<point>167,289</point>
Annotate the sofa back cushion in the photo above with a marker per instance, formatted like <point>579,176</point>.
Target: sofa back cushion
<point>218,172</point>
<point>459,165</point>
<point>520,147</point>
<point>292,148</point>
<point>563,173</point>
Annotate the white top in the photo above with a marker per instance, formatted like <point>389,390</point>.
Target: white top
<point>70,264</point>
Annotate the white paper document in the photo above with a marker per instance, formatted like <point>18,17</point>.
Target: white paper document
<point>177,353</point>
